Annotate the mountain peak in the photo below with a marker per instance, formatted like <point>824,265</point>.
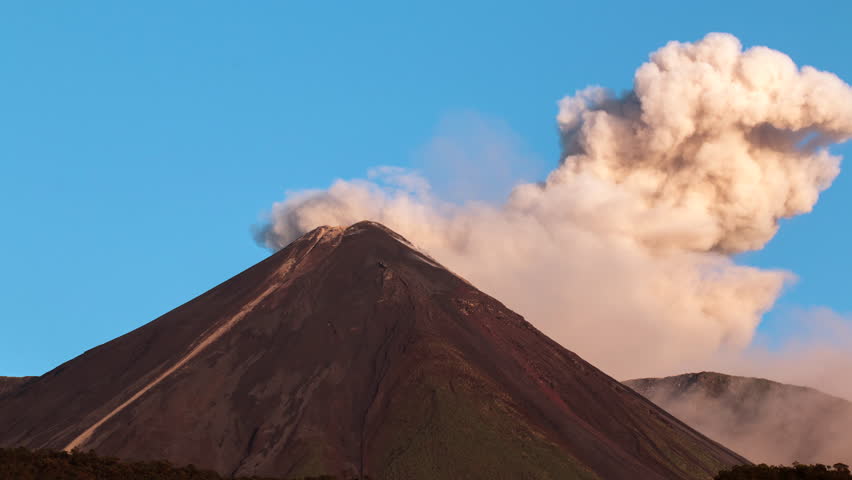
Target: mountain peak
<point>363,237</point>
<point>331,233</point>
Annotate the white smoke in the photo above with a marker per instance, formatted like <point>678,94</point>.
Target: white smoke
<point>623,254</point>
<point>817,354</point>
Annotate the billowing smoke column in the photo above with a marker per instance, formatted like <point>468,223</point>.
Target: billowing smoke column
<point>624,253</point>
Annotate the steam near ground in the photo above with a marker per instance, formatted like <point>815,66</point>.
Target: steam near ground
<point>624,252</point>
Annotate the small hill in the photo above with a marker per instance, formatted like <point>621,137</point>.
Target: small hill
<point>766,421</point>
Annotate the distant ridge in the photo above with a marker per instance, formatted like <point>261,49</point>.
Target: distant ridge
<point>351,353</point>
<point>766,421</point>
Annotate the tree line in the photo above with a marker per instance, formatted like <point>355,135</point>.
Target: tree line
<point>838,471</point>
<point>25,464</point>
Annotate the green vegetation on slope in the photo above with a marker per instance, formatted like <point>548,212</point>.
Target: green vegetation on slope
<point>23,464</point>
<point>797,472</point>
<point>452,429</point>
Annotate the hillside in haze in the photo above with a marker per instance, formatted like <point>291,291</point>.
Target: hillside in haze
<point>768,422</point>
<point>351,353</point>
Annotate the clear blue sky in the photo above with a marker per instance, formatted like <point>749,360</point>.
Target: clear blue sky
<point>139,141</point>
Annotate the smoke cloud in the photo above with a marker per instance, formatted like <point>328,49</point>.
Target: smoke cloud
<point>624,252</point>
<point>816,353</point>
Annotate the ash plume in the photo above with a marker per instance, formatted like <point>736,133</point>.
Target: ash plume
<point>624,252</point>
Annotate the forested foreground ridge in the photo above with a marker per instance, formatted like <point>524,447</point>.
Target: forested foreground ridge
<point>24,464</point>
<point>775,472</point>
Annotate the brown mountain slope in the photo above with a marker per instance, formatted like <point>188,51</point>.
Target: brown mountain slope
<point>767,421</point>
<point>350,352</point>
<point>7,384</point>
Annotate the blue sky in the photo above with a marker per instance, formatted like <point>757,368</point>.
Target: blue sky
<point>140,141</point>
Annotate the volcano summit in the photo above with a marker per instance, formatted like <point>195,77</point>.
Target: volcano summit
<point>350,352</point>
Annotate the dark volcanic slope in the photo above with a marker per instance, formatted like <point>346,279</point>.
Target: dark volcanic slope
<point>7,384</point>
<point>766,421</point>
<point>351,352</point>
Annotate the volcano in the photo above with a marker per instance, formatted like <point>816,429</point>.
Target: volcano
<point>352,353</point>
